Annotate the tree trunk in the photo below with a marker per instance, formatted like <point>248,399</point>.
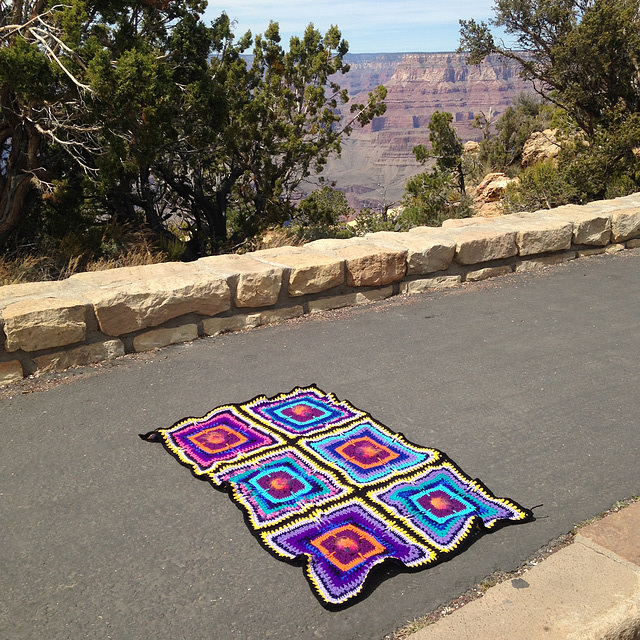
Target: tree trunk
<point>18,194</point>
<point>20,164</point>
<point>212,209</point>
<point>463,190</point>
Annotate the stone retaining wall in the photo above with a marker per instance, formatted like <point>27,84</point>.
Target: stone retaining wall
<point>50,326</point>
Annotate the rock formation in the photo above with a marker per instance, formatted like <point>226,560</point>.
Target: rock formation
<point>542,145</point>
<point>488,195</point>
<point>377,160</point>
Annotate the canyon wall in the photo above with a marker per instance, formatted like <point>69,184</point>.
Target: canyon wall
<point>377,160</point>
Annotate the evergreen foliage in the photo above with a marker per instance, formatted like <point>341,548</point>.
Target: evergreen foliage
<point>502,151</point>
<point>438,193</point>
<point>583,56</point>
<point>154,119</point>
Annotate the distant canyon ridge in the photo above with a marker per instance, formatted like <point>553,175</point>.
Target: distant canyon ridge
<point>377,160</point>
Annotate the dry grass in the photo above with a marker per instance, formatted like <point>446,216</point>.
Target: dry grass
<point>273,239</point>
<point>133,257</point>
<point>69,256</point>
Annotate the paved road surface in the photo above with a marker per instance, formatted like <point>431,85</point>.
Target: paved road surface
<point>528,382</point>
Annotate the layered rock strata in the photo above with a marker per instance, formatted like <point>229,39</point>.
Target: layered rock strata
<point>99,316</point>
<point>377,160</point>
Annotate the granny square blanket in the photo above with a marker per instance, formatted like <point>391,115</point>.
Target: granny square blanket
<point>323,482</point>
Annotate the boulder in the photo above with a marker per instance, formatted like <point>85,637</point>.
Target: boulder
<point>471,147</point>
<point>492,188</point>
<point>489,194</point>
<point>542,145</point>
<point>43,323</point>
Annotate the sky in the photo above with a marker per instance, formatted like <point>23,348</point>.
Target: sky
<point>369,26</point>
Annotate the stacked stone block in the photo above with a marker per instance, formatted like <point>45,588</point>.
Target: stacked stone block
<point>98,316</point>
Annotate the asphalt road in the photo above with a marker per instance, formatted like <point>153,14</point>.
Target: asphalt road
<point>528,382</point>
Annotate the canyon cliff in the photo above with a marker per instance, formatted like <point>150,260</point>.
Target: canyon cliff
<point>377,159</point>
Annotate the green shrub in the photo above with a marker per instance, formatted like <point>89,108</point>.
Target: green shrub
<point>541,186</point>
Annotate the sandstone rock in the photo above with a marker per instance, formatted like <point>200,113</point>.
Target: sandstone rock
<point>458,223</point>
<point>633,244</point>
<point>537,233</point>
<point>309,272</point>
<point>426,253</point>
<point>274,316</point>
<point>625,224</point>
<point>430,284</point>
<point>482,243</point>
<point>158,338</point>
<point>349,299</point>
<point>542,145</point>
<point>489,194</point>
<point>329,245</point>
<point>216,326</point>
<point>492,188</point>
<point>488,272</point>
<point>614,248</point>
<point>133,298</point>
<point>43,323</point>
<point>10,372</point>
<point>545,261</point>
<point>490,209</point>
<point>608,206</point>
<point>332,302</point>
<point>80,356</point>
<point>256,284</point>
<point>367,264</point>
<point>589,226</point>
<point>624,202</point>
<point>471,147</point>
<point>585,253</point>
<point>375,295</point>
<point>11,293</point>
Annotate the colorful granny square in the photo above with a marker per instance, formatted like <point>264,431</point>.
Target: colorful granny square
<point>321,481</point>
<point>302,411</point>
<point>276,485</point>
<point>367,453</point>
<point>442,505</point>
<point>224,434</point>
<point>343,544</point>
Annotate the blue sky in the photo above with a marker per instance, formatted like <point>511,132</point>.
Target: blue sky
<point>370,26</point>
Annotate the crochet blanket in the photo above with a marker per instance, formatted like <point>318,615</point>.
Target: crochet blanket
<point>322,481</point>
